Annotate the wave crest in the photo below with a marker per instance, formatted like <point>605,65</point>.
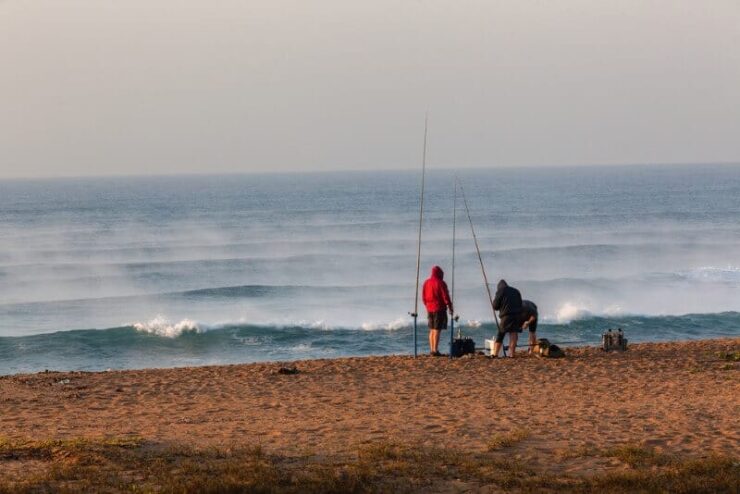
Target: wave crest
<point>395,325</point>
<point>161,326</point>
<point>570,311</point>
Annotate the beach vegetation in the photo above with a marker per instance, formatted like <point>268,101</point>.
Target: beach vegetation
<point>507,439</point>
<point>729,356</point>
<point>134,465</point>
<point>577,452</point>
<point>638,457</point>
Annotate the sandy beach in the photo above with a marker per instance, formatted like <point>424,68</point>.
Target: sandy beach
<point>552,415</point>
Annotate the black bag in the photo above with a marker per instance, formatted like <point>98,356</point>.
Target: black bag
<point>462,346</point>
<point>546,349</point>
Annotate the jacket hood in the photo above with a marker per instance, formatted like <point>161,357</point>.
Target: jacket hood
<point>501,285</point>
<point>437,273</point>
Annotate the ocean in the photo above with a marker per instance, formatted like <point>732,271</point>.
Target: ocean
<point>116,273</point>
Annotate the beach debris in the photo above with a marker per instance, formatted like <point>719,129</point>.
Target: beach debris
<point>288,370</point>
<point>63,382</point>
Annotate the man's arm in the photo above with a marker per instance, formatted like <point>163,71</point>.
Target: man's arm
<point>424,293</point>
<point>446,297</point>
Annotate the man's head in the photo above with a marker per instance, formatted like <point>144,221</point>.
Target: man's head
<point>437,272</point>
<point>501,285</point>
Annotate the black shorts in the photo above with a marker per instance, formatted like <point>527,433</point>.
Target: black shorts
<point>533,327</point>
<point>509,324</point>
<point>437,320</point>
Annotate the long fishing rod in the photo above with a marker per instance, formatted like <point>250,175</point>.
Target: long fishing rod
<point>480,258</point>
<point>553,343</point>
<point>452,295</point>
<point>415,314</point>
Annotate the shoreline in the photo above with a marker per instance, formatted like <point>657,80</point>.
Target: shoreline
<point>230,358</point>
<point>671,398</point>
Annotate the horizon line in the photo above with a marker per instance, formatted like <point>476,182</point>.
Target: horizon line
<point>447,168</point>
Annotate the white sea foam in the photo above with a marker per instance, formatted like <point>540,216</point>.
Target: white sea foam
<point>473,324</point>
<point>300,348</point>
<point>161,326</point>
<point>570,311</point>
<point>613,310</point>
<point>395,325</point>
<point>321,325</point>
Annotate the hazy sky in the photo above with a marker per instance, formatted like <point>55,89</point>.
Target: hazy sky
<point>170,86</point>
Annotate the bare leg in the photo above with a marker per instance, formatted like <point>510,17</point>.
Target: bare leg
<point>431,341</point>
<point>532,340</point>
<point>435,339</point>
<point>513,338</point>
<point>496,349</point>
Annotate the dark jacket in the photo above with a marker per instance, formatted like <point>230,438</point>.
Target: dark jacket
<point>508,300</point>
<point>435,295</point>
<point>529,309</point>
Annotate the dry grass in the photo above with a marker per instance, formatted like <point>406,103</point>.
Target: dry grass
<point>506,440</point>
<point>133,465</point>
<point>638,457</point>
<point>579,452</point>
<point>729,356</point>
<point>707,475</point>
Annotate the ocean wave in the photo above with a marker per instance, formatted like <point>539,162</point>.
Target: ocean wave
<point>574,311</point>
<point>163,343</point>
<point>570,311</point>
<point>161,326</point>
<point>166,328</point>
<point>395,325</point>
<point>728,274</point>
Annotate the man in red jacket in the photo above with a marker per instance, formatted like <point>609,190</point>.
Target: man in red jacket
<point>436,298</point>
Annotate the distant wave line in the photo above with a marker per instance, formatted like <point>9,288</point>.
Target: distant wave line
<point>132,264</point>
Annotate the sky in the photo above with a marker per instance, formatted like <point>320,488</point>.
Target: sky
<point>109,87</point>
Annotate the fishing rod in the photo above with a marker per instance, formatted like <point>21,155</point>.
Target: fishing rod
<point>415,314</point>
<point>452,296</point>
<point>480,258</point>
<point>554,343</point>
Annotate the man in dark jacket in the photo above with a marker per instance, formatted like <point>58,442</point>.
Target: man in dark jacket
<point>436,298</point>
<point>529,321</point>
<point>508,303</point>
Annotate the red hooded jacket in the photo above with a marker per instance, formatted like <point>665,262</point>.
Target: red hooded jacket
<point>435,295</point>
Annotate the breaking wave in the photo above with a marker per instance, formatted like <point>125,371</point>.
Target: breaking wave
<point>164,343</point>
<point>395,325</point>
<point>161,326</point>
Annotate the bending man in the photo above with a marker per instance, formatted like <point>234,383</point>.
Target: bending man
<point>508,303</point>
<point>436,298</point>
<point>529,321</point>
